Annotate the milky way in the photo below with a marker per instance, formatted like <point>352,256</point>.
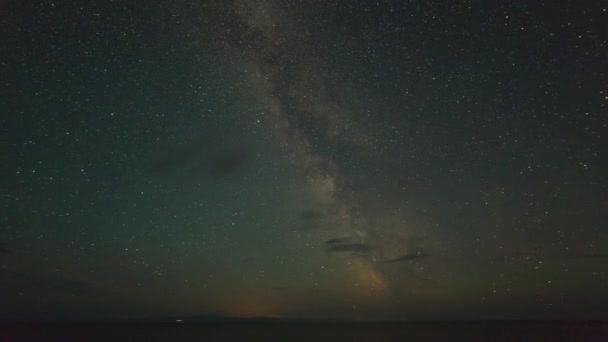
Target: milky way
<point>283,67</point>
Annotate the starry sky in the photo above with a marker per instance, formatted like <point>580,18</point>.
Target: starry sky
<point>313,159</point>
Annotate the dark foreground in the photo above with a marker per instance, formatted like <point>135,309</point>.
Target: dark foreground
<point>401,331</point>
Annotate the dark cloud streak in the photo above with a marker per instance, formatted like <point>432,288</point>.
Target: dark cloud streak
<point>223,164</point>
<point>199,159</point>
<point>359,248</point>
<point>406,257</point>
<point>336,241</point>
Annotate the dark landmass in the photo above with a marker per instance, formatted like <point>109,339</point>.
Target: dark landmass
<point>275,330</point>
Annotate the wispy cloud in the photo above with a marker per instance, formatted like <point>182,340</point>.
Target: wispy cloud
<point>359,248</point>
<point>200,158</point>
<point>337,241</point>
<point>406,257</point>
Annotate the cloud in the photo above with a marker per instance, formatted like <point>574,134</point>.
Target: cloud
<point>336,241</point>
<point>406,257</point>
<point>358,248</point>
<point>209,157</point>
<point>226,162</point>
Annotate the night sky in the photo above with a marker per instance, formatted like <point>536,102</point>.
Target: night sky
<point>312,159</point>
